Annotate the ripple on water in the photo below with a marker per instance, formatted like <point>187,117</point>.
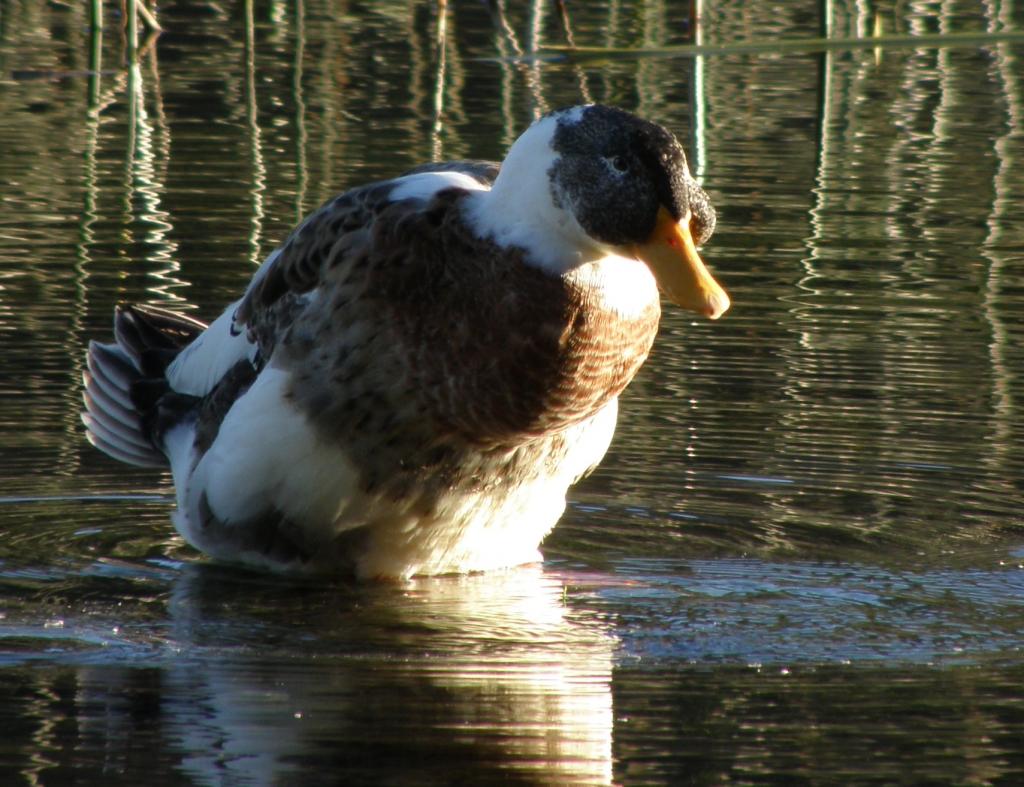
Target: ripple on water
<point>759,612</point>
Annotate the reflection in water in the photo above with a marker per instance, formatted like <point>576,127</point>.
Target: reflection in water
<point>486,671</point>
<point>716,668</point>
<point>1007,195</point>
<point>261,680</point>
<point>258,169</point>
<point>868,723</point>
<point>145,172</point>
<point>828,484</point>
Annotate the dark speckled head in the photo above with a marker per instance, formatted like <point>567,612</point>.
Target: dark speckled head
<point>614,170</point>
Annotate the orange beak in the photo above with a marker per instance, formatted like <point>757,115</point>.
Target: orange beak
<point>678,268</point>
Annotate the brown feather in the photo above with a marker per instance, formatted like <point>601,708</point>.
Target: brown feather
<point>437,358</point>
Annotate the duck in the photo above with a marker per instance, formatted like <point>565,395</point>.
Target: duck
<point>413,379</point>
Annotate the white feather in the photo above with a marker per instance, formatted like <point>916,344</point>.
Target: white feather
<point>624,284</point>
<point>423,185</point>
<point>267,456</point>
<point>178,443</point>
<point>201,365</point>
<point>520,210</point>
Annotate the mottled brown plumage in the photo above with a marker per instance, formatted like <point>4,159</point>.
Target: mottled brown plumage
<point>435,344</point>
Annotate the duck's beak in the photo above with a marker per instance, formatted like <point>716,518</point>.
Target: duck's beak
<point>678,268</point>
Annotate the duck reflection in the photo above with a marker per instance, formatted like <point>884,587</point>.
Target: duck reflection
<point>469,679</point>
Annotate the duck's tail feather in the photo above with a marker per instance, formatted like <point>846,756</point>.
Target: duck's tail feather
<point>153,337</point>
<point>124,381</point>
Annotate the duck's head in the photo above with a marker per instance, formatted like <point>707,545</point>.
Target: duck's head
<point>594,181</point>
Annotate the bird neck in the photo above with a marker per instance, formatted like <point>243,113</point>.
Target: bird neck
<point>518,215</point>
<point>520,209</point>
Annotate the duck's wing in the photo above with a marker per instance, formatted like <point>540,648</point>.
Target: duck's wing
<point>308,426</point>
<point>250,328</point>
<point>345,226</point>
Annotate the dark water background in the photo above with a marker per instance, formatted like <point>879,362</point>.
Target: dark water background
<point>801,561</point>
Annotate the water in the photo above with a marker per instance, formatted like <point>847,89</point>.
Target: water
<point>802,561</point>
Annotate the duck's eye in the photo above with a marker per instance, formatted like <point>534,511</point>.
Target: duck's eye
<point>619,164</point>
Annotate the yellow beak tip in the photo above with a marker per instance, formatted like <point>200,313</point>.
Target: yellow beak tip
<point>718,304</point>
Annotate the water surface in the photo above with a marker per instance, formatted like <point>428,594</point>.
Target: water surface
<point>802,560</point>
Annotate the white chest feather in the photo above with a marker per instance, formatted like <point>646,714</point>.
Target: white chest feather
<point>623,284</point>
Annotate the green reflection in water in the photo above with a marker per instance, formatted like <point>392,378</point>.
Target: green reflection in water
<point>832,474</point>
